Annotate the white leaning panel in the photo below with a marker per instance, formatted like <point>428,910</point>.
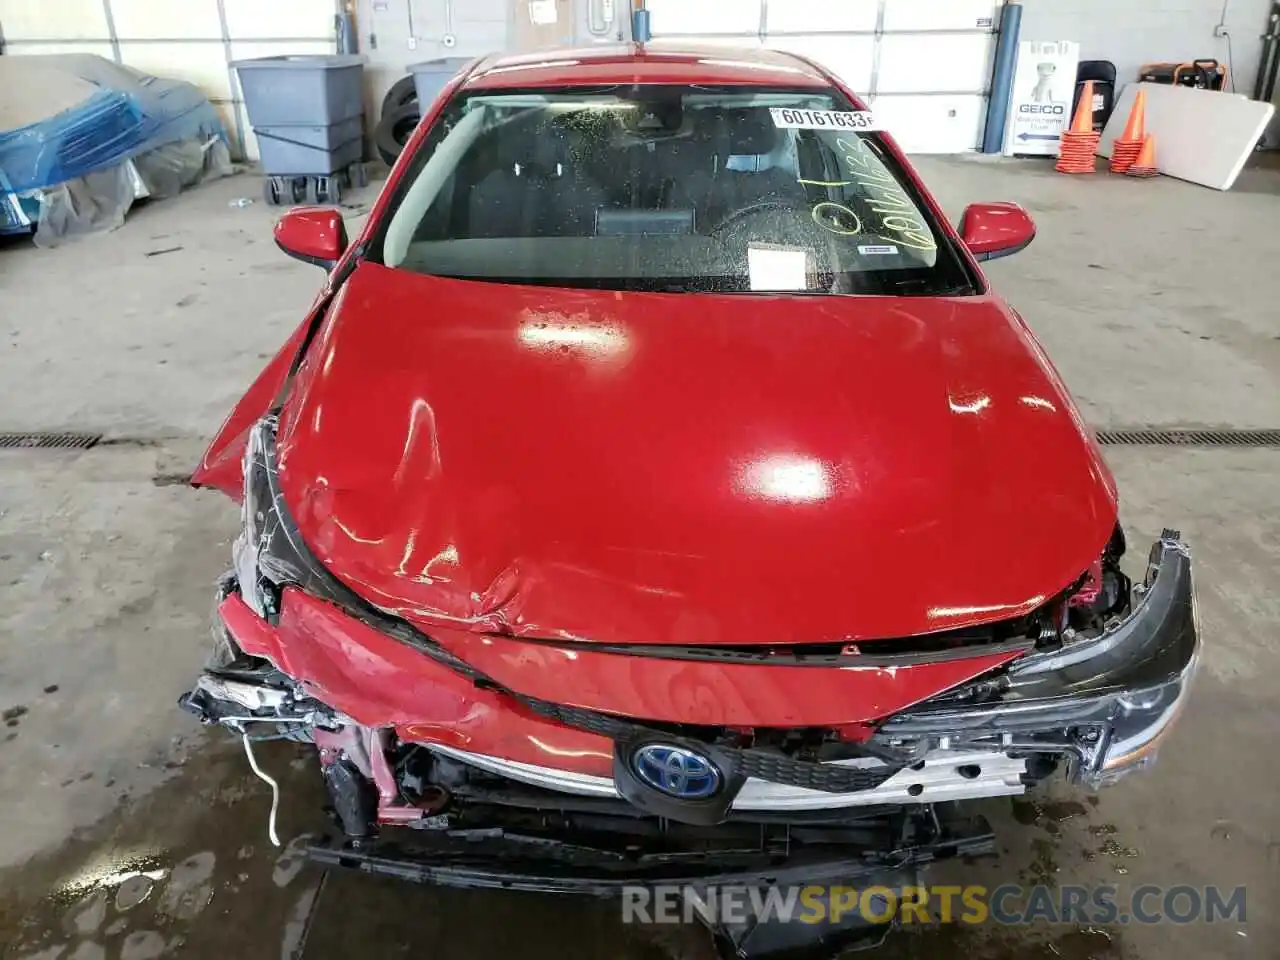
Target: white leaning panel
<point>1201,135</point>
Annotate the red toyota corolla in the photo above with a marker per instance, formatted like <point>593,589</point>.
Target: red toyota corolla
<point>657,490</point>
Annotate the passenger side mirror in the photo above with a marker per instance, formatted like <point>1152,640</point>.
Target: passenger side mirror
<point>315,235</point>
<point>992,230</point>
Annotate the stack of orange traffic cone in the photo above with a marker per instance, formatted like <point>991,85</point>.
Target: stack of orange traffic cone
<point>1145,165</point>
<point>1080,143</point>
<point>1129,144</point>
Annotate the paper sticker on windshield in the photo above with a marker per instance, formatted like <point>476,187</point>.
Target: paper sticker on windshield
<point>777,268</point>
<point>790,119</point>
<point>878,250</point>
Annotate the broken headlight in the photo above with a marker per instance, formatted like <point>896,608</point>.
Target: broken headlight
<point>269,553</point>
<point>1106,700</point>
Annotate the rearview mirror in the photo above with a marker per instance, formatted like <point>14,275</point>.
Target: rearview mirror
<point>992,230</point>
<point>315,235</point>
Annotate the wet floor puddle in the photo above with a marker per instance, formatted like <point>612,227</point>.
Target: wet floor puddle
<point>188,871</point>
<point>188,864</point>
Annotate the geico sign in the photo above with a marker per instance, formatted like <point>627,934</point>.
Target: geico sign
<point>1051,109</point>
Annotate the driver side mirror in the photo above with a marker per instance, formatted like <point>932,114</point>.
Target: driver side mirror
<point>992,230</point>
<point>315,235</point>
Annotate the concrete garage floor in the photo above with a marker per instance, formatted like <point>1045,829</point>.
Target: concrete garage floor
<point>1157,300</point>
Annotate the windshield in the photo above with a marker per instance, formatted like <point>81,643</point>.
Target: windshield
<point>666,189</point>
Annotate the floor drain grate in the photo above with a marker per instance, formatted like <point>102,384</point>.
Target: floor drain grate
<point>49,441</point>
<point>1172,437</point>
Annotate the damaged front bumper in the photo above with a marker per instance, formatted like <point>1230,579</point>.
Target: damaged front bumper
<point>1103,704</point>
<point>508,790</point>
<point>1098,707</point>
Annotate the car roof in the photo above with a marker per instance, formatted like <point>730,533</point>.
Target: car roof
<point>657,62</point>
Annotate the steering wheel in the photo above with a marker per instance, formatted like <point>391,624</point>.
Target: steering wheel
<point>799,230</point>
<point>757,208</point>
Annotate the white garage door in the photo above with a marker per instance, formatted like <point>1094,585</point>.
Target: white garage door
<point>193,40</point>
<point>925,65</point>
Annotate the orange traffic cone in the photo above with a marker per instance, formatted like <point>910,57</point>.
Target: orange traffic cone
<point>1128,145</point>
<point>1145,165</point>
<point>1080,143</point>
<point>1082,122</point>
<point>1136,128</point>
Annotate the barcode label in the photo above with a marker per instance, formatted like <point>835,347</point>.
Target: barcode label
<point>790,119</point>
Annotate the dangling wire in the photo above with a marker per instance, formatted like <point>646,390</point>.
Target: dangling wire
<point>275,789</point>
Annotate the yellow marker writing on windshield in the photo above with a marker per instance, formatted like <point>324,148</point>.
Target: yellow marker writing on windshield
<point>837,218</point>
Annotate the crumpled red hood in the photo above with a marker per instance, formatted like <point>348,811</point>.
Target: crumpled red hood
<point>696,469</point>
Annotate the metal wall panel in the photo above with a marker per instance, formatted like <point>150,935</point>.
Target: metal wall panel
<point>192,40</point>
<point>941,123</point>
<point>735,41</point>
<point>101,48</point>
<point>932,62</point>
<point>926,63</point>
<point>698,17</point>
<point>850,56</point>
<point>202,62</point>
<point>940,14</point>
<point>24,21</point>
<point>147,20</point>
<point>821,16</point>
<point>256,20</point>
<point>602,21</point>
<point>393,34</point>
<point>1133,32</point>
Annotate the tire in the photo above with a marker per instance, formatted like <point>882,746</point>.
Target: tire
<point>394,131</point>
<point>358,176</point>
<point>402,92</point>
<point>329,189</point>
<point>313,191</point>
<point>271,191</point>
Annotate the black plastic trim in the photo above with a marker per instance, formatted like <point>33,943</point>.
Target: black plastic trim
<point>1006,252</point>
<point>780,656</point>
<point>509,862</point>
<point>305,258</point>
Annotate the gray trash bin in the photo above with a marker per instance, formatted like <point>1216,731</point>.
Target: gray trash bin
<point>307,112</point>
<point>310,151</point>
<point>430,76</point>
<point>309,89</point>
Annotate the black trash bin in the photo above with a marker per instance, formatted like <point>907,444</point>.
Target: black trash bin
<point>1103,75</point>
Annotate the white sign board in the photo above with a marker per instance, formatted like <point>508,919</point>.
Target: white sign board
<point>1044,85</point>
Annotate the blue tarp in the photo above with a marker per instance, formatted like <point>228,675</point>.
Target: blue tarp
<point>129,114</point>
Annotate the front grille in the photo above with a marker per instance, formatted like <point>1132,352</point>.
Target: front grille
<point>750,762</point>
<point>827,777</point>
<point>601,724</point>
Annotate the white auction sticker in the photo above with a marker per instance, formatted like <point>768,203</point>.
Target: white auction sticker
<point>790,119</point>
<point>878,250</point>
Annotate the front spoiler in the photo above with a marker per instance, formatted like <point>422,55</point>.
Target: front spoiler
<point>891,857</point>
<point>538,865</point>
